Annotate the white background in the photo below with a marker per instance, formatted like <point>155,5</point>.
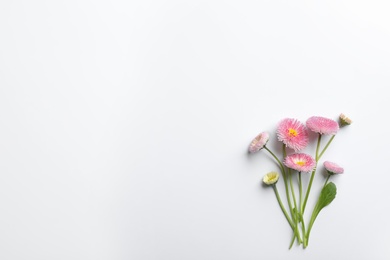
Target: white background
<point>124,127</point>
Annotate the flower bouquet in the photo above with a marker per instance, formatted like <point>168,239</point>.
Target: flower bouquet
<point>295,135</point>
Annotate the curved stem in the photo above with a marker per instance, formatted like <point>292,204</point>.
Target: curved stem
<point>276,158</point>
<point>293,239</point>
<point>284,178</point>
<point>282,207</point>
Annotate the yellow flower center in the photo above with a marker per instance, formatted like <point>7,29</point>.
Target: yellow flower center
<point>272,177</point>
<point>301,163</point>
<point>292,132</point>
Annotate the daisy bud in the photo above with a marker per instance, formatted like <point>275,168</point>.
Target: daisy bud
<point>332,168</point>
<point>271,178</point>
<point>344,120</point>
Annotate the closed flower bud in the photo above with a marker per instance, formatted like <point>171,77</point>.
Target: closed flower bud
<point>271,178</point>
<point>333,168</point>
<point>344,120</point>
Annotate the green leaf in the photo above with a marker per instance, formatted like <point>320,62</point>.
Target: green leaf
<point>327,195</point>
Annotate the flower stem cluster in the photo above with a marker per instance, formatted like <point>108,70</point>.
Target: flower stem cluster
<point>295,135</point>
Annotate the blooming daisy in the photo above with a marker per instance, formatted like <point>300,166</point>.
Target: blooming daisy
<point>271,178</point>
<point>322,125</point>
<point>344,120</point>
<point>259,142</point>
<point>333,168</point>
<point>293,134</point>
<point>300,162</point>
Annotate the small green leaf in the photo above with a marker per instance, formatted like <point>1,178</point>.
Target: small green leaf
<point>327,195</point>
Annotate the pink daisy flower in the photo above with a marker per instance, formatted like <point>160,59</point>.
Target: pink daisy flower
<point>259,142</point>
<point>293,134</point>
<point>300,162</point>
<point>333,168</point>
<point>322,125</point>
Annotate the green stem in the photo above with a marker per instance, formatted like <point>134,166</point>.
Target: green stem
<point>276,158</point>
<point>284,178</point>
<point>292,212</point>
<point>296,219</point>
<point>314,215</point>
<point>315,212</point>
<point>312,176</point>
<point>300,191</point>
<point>300,209</point>
<point>293,227</point>
<point>303,236</point>
<point>292,240</point>
<point>308,190</point>
<point>284,175</point>
<point>293,193</point>
<point>287,191</point>
<point>282,207</point>
<point>326,181</point>
<point>326,147</point>
<point>318,146</point>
